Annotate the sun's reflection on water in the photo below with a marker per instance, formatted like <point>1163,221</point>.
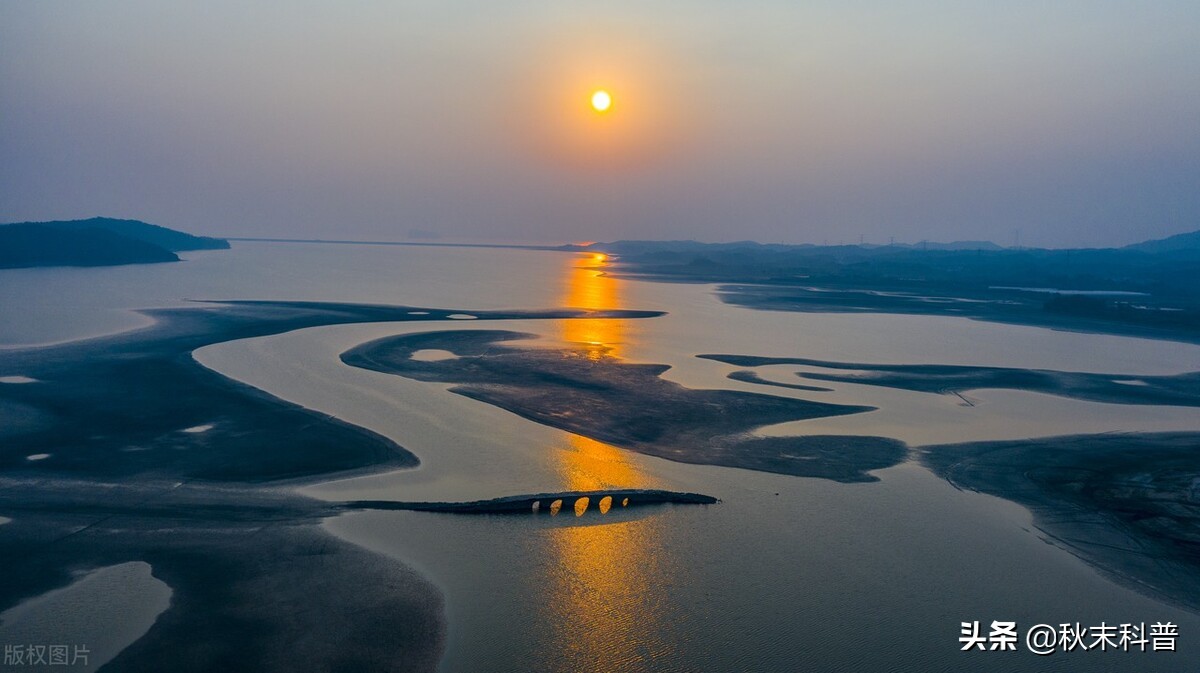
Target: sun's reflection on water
<point>588,287</point>
<point>589,464</point>
<point>611,584</point>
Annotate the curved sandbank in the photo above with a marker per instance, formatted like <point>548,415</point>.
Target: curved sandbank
<point>631,405</point>
<point>1124,503</point>
<point>1181,390</point>
<point>123,399</point>
<point>753,377</point>
<point>133,478</point>
<point>99,614</point>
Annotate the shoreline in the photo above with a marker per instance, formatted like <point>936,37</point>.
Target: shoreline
<point>1123,503</point>
<point>631,405</point>
<point>175,465</point>
<point>144,518</point>
<point>1005,306</point>
<point>1181,390</point>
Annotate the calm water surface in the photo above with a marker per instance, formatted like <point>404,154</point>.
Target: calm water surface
<point>785,574</point>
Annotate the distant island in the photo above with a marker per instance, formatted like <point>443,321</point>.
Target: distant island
<point>98,241</point>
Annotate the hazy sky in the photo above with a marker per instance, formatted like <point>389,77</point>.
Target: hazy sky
<point>1076,122</point>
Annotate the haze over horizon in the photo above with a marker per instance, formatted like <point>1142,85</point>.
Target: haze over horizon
<point>1074,123</point>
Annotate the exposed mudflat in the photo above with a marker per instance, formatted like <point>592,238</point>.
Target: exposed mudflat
<point>631,405</point>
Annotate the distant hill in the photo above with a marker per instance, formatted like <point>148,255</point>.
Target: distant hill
<point>30,245</point>
<point>955,245</point>
<point>99,241</point>
<point>168,239</point>
<point>1178,243</point>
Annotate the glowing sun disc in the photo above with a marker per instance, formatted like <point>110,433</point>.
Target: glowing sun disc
<point>601,101</point>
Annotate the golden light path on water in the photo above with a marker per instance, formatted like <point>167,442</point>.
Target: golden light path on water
<point>613,578</point>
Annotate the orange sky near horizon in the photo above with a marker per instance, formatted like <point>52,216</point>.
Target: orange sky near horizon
<point>785,122</point>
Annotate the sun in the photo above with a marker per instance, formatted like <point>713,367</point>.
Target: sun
<point>601,101</point>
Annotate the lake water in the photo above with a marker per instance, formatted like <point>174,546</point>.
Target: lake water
<point>96,616</point>
<point>784,574</point>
